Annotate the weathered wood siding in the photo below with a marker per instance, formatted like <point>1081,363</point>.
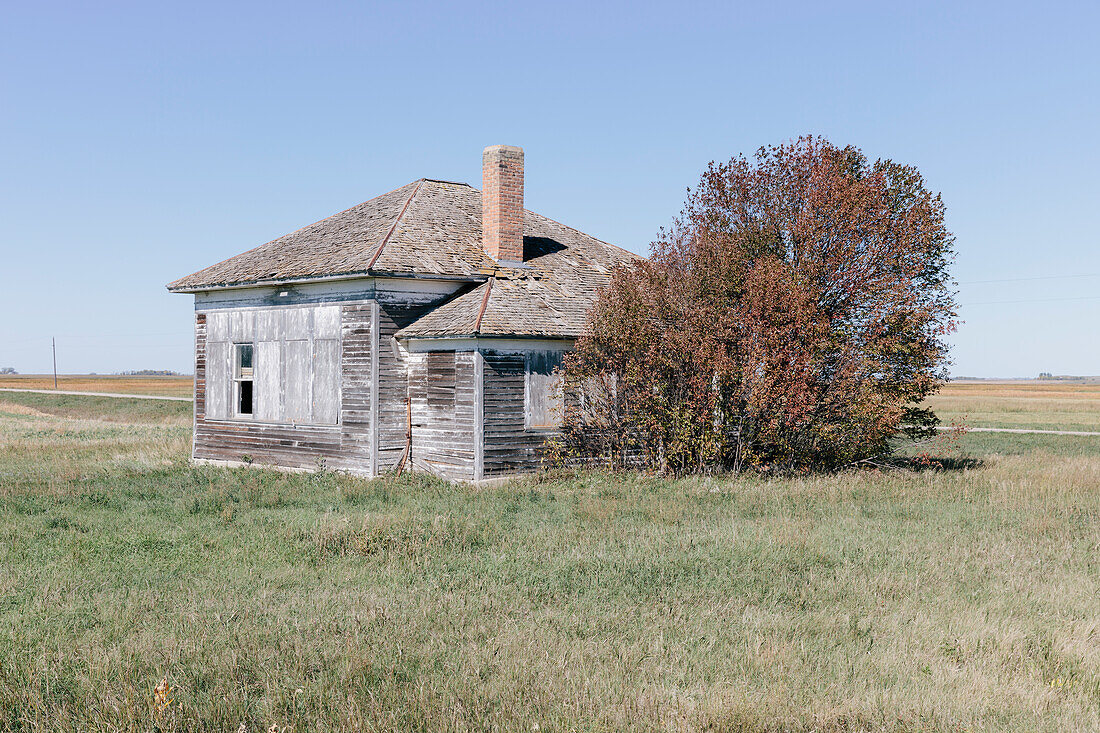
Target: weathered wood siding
<point>198,407</point>
<point>357,350</point>
<point>543,393</point>
<point>442,388</point>
<point>342,335</point>
<point>509,447</point>
<point>469,406</point>
<point>397,309</point>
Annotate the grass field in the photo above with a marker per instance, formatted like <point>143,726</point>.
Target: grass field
<point>161,386</point>
<point>947,600</point>
<point>1035,405</point>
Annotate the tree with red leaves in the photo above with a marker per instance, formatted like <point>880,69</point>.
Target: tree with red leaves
<point>792,318</point>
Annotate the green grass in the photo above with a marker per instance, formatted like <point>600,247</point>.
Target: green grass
<point>99,408</point>
<point>867,600</point>
<point>1043,447</point>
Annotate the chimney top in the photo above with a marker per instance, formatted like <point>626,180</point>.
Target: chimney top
<point>504,149</point>
<point>502,203</point>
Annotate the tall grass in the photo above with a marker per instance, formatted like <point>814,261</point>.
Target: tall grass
<point>935,600</point>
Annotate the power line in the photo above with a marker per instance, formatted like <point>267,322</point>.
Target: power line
<point>1025,279</point>
<point>1031,300</point>
<point>112,338</point>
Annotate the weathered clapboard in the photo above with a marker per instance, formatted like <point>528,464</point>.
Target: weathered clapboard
<point>332,385</point>
<point>330,382</point>
<point>305,412</point>
<point>509,444</point>
<point>442,387</point>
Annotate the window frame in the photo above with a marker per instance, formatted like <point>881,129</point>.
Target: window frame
<point>239,378</point>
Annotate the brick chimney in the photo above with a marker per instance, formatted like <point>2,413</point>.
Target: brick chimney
<point>502,202</point>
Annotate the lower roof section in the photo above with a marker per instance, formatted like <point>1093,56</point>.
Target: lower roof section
<point>526,307</point>
<point>487,343</point>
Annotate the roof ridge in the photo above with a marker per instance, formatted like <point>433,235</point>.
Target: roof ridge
<point>453,183</point>
<point>396,221</point>
<point>484,304</point>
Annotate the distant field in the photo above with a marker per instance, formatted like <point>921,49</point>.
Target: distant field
<point>957,600</point>
<point>163,386</point>
<point>1009,404</point>
<point>1035,405</point>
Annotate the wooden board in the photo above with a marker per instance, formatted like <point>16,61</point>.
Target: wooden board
<point>269,381</point>
<point>509,446</point>
<point>542,390</point>
<point>326,381</point>
<point>442,387</point>
<point>218,368</point>
<point>344,363</point>
<point>271,324</point>
<point>297,385</point>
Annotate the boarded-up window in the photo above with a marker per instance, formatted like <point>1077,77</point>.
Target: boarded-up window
<point>295,364</point>
<point>217,379</point>
<point>268,380</point>
<point>542,391</point>
<point>297,384</point>
<point>440,379</point>
<point>326,381</point>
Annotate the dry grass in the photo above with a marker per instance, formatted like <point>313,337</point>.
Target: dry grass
<point>161,386</point>
<point>937,600</point>
<point>1037,405</point>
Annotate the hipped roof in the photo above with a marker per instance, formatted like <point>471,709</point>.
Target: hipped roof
<point>432,228</point>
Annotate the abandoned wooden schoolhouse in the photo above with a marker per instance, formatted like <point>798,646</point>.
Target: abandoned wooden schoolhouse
<point>419,329</point>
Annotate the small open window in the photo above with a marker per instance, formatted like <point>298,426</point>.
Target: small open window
<point>242,379</point>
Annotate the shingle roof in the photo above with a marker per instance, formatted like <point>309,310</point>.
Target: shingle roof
<point>433,228</point>
<point>506,307</point>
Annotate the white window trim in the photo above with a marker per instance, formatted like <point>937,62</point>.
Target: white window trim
<point>237,379</point>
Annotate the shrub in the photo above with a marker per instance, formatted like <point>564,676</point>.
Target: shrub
<point>791,318</point>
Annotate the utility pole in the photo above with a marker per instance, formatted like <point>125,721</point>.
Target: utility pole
<point>53,341</point>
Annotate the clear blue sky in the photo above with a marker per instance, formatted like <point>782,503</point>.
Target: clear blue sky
<point>140,142</point>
